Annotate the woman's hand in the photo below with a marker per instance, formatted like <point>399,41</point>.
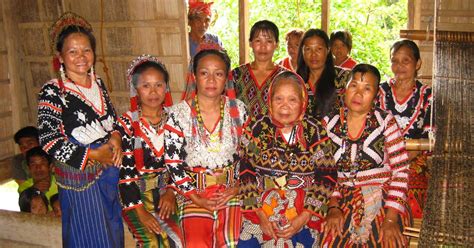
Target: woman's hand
<point>223,197</point>
<point>334,222</point>
<point>148,220</point>
<point>294,226</point>
<point>390,235</point>
<point>116,144</point>
<point>102,154</point>
<point>266,226</point>
<point>203,202</point>
<point>167,204</point>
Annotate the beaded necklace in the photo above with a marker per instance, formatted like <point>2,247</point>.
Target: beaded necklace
<point>202,129</point>
<point>354,165</point>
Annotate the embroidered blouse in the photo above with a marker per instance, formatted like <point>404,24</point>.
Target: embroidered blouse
<point>413,113</point>
<point>307,163</point>
<point>69,123</point>
<point>153,157</point>
<point>248,89</point>
<point>184,150</point>
<point>376,157</point>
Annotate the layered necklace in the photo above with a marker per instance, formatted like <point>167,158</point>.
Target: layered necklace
<point>201,128</point>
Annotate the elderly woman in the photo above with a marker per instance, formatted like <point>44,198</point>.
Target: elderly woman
<point>253,79</point>
<point>409,101</point>
<point>323,81</point>
<point>368,208</point>
<point>77,126</point>
<point>287,171</point>
<point>292,38</point>
<point>341,46</point>
<point>201,140</point>
<point>147,202</point>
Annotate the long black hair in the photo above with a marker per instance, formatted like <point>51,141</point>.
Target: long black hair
<point>325,88</point>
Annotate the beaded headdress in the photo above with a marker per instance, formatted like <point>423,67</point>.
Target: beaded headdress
<point>197,7</point>
<point>168,101</point>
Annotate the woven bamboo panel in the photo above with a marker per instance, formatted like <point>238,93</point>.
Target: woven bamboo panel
<point>127,29</point>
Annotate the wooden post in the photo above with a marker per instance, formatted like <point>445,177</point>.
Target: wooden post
<point>325,6</point>
<point>17,89</point>
<point>243,31</point>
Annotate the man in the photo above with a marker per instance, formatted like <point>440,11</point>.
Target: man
<point>199,18</point>
<point>39,164</point>
<point>26,138</point>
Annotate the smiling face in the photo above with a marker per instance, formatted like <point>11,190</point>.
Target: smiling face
<point>39,169</point>
<point>292,46</point>
<point>315,53</point>
<point>339,50</point>
<point>263,46</point>
<point>286,101</point>
<point>360,92</point>
<point>151,88</point>
<point>211,76</point>
<point>404,64</point>
<point>77,55</point>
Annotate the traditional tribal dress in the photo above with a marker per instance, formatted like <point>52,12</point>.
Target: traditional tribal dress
<point>372,176</point>
<point>71,122</point>
<point>143,185</point>
<point>284,176</point>
<point>253,93</point>
<point>342,78</point>
<point>202,161</point>
<point>413,117</point>
<point>348,64</point>
<point>285,63</point>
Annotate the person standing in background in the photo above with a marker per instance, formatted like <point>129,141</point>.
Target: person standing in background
<point>199,18</point>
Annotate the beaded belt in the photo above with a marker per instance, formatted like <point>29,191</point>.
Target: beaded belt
<point>204,178</point>
<point>153,181</point>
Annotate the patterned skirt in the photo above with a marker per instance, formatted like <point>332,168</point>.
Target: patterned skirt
<point>364,214</point>
<point>91,216</point>
<point>418,185</point>
<point>171,233</point>
<point>280,206</point>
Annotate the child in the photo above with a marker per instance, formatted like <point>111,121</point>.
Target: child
<point>54,202</point>
<point>26,138</point>
<point>33,201</point>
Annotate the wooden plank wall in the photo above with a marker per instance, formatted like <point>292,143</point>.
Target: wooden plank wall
<point>124,29</point>
<point>453,15</point>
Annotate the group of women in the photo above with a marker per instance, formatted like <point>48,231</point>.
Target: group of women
<point>257,156</point>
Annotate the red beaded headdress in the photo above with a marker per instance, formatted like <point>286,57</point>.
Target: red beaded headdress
<point>197,7</point>
<point>168,101</point>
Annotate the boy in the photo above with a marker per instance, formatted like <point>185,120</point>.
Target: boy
<point>26,138</point>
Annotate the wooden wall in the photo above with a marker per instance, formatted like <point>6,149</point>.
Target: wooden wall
<point>453,15</point>
<point>124,29</point>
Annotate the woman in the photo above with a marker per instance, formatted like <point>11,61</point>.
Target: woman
<point>341,46</point>
<point>316,67</point>
<point>287,163</point>
<point>148,204</point>
<point>409,101</point>
<point>77,122</point>
<point>252,80</point>
<point>367,208</point>
<point>293,38</point>
<point>201,140</point>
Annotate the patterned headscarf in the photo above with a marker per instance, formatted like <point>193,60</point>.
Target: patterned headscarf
<point>65,21</point>
<point>229,92</point>
<point>134,108</point>
<point>197,7</point>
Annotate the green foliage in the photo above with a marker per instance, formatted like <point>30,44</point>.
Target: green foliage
<point>374,24</point>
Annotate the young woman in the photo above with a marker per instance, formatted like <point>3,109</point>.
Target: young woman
<point>409,101</point>
<point>148,203</point>
<point>201,150</point>
<point>341,46</point>
<point>287,171</point>
<point>368,207</point>
<point>77,126</point>
<point>252,80</point>
<point>323,81</point>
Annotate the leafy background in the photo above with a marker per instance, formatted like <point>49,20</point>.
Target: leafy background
<point>374,24</point>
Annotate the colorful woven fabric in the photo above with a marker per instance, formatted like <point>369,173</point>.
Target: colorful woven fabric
<point>197,7</point>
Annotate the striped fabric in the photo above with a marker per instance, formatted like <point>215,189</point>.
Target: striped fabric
<point>91,218</point>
